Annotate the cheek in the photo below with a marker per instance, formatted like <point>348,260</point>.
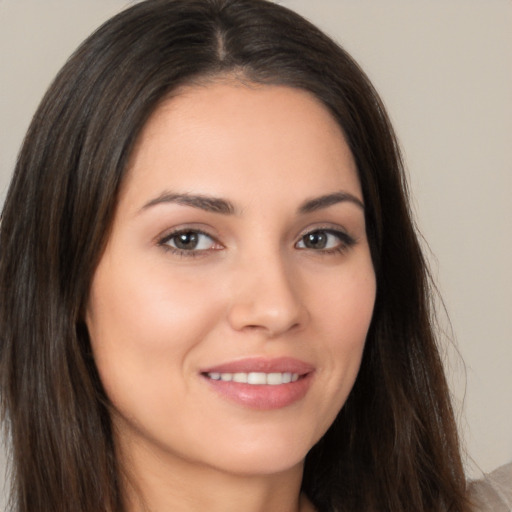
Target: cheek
<point>344,313</point>
<point>143,325</point>
<point>147,306</point>
<point>343,304</point>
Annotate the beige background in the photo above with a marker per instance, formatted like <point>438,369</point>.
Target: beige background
<point>444,69</point>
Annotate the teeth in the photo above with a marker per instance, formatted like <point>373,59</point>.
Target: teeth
<point>256,378</point>
<point>274,378</point>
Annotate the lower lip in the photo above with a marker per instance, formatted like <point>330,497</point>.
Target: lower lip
<point>263,397</point>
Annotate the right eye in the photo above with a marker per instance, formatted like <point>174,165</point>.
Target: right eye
<point>188,241</point>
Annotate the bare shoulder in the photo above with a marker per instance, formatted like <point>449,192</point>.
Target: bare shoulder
<point>493,492</point>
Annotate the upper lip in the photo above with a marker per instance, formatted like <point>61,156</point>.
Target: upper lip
<point>261,364</point>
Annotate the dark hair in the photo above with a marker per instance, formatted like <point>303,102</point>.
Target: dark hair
<point>393,446</point>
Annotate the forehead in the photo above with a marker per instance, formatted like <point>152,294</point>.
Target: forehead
<point>220,136</point>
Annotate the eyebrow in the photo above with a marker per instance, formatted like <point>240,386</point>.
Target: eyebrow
<point>206,203</point>
<point>318,203</point>
<point>225,207</point>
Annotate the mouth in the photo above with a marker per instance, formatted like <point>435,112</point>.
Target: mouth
<point>255,378</point>
<point>261,383</point>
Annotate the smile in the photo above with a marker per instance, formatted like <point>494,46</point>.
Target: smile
<point>256,378</point>
<point>261,383</point>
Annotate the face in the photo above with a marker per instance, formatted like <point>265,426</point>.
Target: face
<point>229,310</point>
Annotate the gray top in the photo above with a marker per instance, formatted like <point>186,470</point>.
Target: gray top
<point>493,493</point>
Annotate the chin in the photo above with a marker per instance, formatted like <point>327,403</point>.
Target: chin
<point>260,464</point>
<point>263,454</point>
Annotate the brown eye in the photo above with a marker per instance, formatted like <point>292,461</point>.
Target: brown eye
<point>325,240</point>
<point>186,241</point>
<point>315,240</point>
<point>189,241</point>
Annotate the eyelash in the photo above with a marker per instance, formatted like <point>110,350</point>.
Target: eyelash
<point>191,253</point>
<point>345,242</point>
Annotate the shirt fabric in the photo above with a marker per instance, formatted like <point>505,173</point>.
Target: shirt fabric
<point>493,492</point>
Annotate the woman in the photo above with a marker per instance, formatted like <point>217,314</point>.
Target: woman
<point>208,229</point>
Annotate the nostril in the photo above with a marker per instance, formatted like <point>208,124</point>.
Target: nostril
<point>266,301</point>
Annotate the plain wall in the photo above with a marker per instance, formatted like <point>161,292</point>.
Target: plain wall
<point>443,68</point>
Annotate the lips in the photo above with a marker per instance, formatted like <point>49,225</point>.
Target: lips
<point>259,383</point>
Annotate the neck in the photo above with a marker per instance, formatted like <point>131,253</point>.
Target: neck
<point>160,484</point>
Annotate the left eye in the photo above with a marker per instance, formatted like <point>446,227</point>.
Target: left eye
<point>189,241</point>
<point>323,239</point>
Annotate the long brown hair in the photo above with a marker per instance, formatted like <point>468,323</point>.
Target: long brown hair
<point>394,445</point>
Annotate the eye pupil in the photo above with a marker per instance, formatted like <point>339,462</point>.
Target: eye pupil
<point>186,240</point>
<point>316,240</point>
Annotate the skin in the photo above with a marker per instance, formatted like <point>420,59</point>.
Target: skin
<point>250,288</point>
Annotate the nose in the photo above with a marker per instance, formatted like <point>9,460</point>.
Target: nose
<point>266,298</point>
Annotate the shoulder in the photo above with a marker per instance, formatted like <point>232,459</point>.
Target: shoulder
<point>493,492</point>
